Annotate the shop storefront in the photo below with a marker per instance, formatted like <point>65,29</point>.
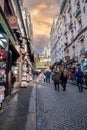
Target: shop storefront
<point>8,53</point>
<point>84,63</point>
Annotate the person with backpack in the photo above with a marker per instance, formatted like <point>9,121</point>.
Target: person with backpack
<point>48,75</point>
<point>80,76</point>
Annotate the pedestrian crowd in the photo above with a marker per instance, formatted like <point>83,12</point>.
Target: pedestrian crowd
<point>61,76</point>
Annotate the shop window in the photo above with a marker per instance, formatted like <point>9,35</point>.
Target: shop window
<point>79,24</point>
<point>15,71</point>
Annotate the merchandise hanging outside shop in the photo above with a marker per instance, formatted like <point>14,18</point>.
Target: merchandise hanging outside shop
<point>3,75</point>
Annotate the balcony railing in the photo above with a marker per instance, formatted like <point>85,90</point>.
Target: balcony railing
<point>78,11</point>
<point>72,38</point>
<point>82,50</point>
<point>80,29</point>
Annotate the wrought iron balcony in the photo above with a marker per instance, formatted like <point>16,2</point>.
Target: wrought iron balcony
<point>80,29</point>
<point>82,50</point>
<point>78,11</point>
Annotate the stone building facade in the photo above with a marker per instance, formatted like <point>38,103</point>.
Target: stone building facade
<point>69,34</point>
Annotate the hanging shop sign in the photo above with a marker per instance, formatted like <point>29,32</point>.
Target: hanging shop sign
<point>13,22</point>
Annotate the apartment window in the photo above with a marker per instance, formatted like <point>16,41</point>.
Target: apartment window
<point>73,49</point>
<point>78,4</point>
<point>67,52</point>
<point>82,43</point>
<point>72,31</point>
<point>80,22</point>
<point>71,16</point>
<point>75,23</point>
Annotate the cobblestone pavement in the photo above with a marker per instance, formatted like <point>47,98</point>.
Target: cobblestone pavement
<point>63,110</point>
<point>14,116</point>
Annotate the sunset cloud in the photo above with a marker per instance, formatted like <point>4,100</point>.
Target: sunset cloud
<point>42,14</point>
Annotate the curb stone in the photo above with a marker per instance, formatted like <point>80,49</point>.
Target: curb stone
<point>7,99</point>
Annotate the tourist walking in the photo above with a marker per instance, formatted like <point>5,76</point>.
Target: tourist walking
<point>80,76</point>
<point>48,75</point>
<point>63,79</point>
<point>41,78</point>
<point>56,79</point>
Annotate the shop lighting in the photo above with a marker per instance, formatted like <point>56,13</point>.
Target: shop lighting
<point>4,40</point>
<point>1,44</point>
<point>1,36</point>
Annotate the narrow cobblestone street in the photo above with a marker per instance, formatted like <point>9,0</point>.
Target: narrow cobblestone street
<point>61,110</point>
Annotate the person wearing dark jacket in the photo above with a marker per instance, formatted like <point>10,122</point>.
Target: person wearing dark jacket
<point>48,75</point>
<point>56,79</point>
<point>80,76</point>
<point>85,77</point>
<point>63,79</point>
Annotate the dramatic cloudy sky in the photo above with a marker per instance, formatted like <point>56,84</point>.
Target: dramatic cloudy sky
<point>42,13</point>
